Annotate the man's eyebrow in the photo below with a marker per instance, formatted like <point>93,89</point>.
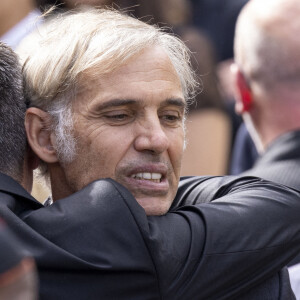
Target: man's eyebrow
<point>120,102</point>
<point>175,102</point>
<point>115,103</point>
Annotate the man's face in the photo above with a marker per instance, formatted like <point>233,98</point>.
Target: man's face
<point>129,127</point>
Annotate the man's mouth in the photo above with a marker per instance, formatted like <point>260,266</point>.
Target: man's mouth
<point>154,177</point>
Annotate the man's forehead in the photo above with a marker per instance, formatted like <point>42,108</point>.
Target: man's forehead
<point>148,59</point>
<point>143,75</point>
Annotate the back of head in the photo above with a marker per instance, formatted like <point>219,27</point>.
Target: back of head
<point>12,112</point>
<point>267,43</point>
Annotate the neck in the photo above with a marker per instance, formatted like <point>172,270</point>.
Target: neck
<point>271,134</point>
<point>258,142</point>
<point>276,121</point>
<point>27,179</point>
<point>59,184</point>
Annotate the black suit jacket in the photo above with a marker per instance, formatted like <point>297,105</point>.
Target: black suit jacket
<point>281,161</point>
<point>99,244</point>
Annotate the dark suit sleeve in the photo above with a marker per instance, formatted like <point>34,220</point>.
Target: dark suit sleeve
<point>220,249</point>
<point>213,250</point>
<point>204,189</point>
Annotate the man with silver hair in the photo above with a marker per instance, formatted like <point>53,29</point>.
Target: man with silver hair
<point>107,96</point>
<point>267,71</point>
<point>103,50</point>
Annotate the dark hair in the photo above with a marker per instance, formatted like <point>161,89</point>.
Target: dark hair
<point>12,114</point>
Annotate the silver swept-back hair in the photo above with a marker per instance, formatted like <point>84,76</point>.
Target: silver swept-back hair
<point>96,41</point>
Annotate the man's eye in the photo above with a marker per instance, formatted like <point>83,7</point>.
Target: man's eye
<point>171,118</point>
<point>117,117</point>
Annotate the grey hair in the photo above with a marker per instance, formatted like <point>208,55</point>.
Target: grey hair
<point>62,125</point>
<point>65,142</point>
<point>93,41</point>
<point>12,114</point>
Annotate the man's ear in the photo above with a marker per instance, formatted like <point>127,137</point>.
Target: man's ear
<point>39,135</point>
<point>243,91</point>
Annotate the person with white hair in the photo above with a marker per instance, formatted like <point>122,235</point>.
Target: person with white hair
<point>102,48</point>
<point>107,96</point>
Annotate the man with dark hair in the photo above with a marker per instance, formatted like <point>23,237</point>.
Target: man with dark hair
<point>98,243</point>
<point>12,129</point>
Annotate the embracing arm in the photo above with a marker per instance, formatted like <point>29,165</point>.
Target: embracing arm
<point>213,250</point>
<point>217,250</point>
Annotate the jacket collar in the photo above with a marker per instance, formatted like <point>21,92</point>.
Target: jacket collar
<point>9,185</point>
<point>286,147</point>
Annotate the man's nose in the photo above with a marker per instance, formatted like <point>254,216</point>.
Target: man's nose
<point>151,136</point>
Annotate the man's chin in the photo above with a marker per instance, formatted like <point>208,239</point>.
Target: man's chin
<point>154,206</point>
